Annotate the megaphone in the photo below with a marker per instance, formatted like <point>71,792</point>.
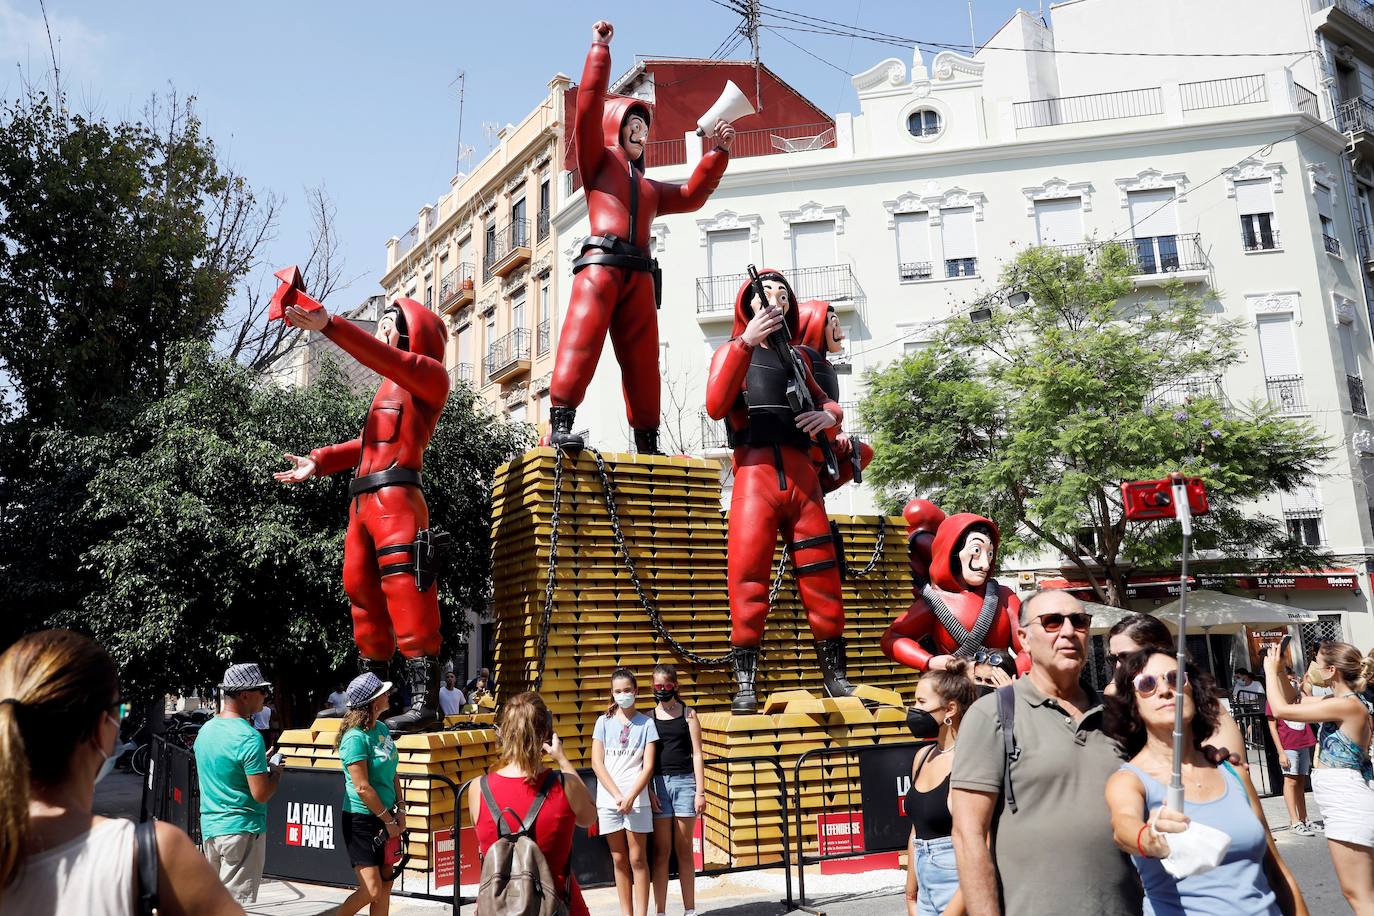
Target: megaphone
<point>731,106</point>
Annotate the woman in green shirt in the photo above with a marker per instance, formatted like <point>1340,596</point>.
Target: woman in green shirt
<point>374,809</point>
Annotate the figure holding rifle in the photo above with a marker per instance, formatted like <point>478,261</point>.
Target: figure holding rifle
<point>762,386</point>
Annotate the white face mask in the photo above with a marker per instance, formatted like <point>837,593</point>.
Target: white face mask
<point>110,758</point>
<point>626,700</point>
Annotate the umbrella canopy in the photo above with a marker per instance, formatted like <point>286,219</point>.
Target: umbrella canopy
<point>1105,616</point>
<point>1218,612</point>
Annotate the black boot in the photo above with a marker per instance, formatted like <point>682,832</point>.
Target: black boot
<point>560,431</point>
<point>423,675</point>
<point>379,667</point>
<point>830,653</point>
<point>746,663</point>
<point>646,441</point>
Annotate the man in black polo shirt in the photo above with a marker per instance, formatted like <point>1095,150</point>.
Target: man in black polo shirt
<point>1054,853</point>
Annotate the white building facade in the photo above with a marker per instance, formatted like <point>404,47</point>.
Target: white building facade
<point>1231,171</point>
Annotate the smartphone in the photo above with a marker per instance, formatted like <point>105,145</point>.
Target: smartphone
<point>1283,646</point>
<point>1149,500</point>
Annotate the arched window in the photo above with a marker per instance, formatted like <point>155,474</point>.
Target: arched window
<point>923,123</point>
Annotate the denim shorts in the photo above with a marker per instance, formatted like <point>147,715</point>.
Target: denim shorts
<point>1297,762</point>
<point>937,877</point>
<point>677,795</point>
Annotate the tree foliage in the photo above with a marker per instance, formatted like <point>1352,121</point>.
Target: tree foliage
<point>1036,416</point>
<point>205,559</point>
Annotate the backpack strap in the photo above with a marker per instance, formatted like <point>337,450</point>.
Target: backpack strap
<point>498,814</point>
<point>549,778</point>
<point>1006,719</point>
<point>145,847</point>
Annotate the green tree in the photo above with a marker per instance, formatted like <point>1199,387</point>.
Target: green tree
<point>205,559</point>
<point>1035,416</point>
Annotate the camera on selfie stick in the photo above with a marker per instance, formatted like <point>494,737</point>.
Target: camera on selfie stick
<point>1151,500</point>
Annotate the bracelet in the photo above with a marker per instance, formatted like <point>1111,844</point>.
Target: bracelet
<point>1139,836</point>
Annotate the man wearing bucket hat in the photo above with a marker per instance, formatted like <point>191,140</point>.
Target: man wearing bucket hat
<point>374,808</point>
<point>236,782</point>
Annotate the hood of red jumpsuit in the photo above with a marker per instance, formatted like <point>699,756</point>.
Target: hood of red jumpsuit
<point>428,335</point>
<point>615,110</point>
<point>944,562</point>
<point>813,316</point>
<point>744,305</point>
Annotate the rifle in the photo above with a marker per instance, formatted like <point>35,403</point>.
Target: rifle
<point>799,397</point>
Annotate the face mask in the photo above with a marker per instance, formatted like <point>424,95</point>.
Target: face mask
<point>922,724</point>
<point>625,700</point>
<point>984,689</point>
<point>109,761</point>
<point>1315,675</point>
<point>664,694</point>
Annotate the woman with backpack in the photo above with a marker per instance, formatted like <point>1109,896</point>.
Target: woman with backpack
<point>564,803</point>
<point>374,810</point>
<point>59,722</point>
<point>624,747</point>
<point>679,789</point>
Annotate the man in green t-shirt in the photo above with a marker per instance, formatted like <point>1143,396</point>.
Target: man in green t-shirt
<point>236,782</point>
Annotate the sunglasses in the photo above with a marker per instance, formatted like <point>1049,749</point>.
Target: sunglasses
<point>1147,684</point>
<point>989,657</point>
<point>1053,623</point>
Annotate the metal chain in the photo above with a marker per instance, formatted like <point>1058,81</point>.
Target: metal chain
<point>777,577</point>
<point>650,607</point>
<point>553,565</point>
<point>877,550</point>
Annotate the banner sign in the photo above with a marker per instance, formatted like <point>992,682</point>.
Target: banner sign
<point>455,858</point>
<point>839,833</point>
<point>305,839</point>
<point>884,777</point>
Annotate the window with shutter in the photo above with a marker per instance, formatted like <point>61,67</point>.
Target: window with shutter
<point>1328,222</point>
<point>1255,200</point>
<point>813,243</point>
<point>1060,221</point>
<point>960,243</point>
<point>727,252</point>
<point>913,246</point>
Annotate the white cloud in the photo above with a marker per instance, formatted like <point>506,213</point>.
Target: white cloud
<point>24,39</point>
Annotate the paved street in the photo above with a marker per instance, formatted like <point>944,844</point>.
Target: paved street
<point>754,893</point>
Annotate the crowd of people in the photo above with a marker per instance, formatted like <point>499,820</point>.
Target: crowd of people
<point>1024,791</point>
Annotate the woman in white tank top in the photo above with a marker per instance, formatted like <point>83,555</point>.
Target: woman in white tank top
<point>59,708</point>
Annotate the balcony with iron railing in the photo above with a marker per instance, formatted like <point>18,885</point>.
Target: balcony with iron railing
<point>1224,93</point>
<point>457,288</point>
<point>1364,240</point>
<point>1305,100</point>
<point>1331,244</point>
<point>713,434</point>
<point>1187,391</point>
<point>852,421</point>
<point>1355,385</point>
<point>543,338</point>
<point>1081,109</point>
<point>460,372</point>
<point>1346,20</point>
<point>833,283</point>
<point>1154,259</point>
<point>1286,392</point>
<point>1356,120</point>
<point>407,241</point>
<point>507,356</point>
<point>510,249</point>
<point>1261,239</point>
<point>911,271</point>
<point>541,225</point>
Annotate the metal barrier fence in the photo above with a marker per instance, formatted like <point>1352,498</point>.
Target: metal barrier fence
<point>171,791</point>
<point>1266,769</point>
<point>882,825</point>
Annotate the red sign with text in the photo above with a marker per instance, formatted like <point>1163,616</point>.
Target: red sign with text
<point>698,847</point>
<point>840,832</point>
<point>462,854</point>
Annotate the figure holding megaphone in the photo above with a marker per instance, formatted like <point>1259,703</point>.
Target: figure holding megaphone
<point>617,286</point>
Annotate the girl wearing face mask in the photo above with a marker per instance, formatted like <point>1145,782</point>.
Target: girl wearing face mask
<point>678,792</point>
<point>1343,777</point>
<point>59,721</point>
<point>624,747</point>
<point>932,880</point>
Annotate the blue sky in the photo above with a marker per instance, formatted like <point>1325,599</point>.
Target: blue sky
<point>357,97</point>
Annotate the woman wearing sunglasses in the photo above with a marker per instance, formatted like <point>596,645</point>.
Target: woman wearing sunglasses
<point>624,747</point>
<point>1343,777</point>
<point>679,789</point>
<point>1139,631</point>
<point>59,721</point>
<point>1252,878</point>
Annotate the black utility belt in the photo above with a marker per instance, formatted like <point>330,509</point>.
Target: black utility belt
<point>610,251</point>
<point>391,477</point>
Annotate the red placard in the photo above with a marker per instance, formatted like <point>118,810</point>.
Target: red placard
<point>698,847</point>
<point>840,832</point>
<point>441,849</point>
<point>448,854</point>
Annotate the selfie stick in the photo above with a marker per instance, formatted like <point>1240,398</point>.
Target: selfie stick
<point>1185,518</point>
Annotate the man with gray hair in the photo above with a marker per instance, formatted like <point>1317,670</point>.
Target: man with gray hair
<point>236,782</point>
<point>1024,807</point>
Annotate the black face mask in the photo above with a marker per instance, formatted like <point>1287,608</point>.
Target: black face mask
<point>922,724</point>
<point>663,696</point>
<point>983,689</point>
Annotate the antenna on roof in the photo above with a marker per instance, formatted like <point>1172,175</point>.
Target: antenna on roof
<point>462,80</point>
<point>972,38</point>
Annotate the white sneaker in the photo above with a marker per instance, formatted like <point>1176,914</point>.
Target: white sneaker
<point>1303,829</point>
<point>1316,826</point>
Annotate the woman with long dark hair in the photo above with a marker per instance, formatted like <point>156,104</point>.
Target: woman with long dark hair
<point>59,721</point>
<point>1252,878</point>
<point>526,736</point>
<point>374,809</point>
<point>1343,777</point>
<point>624,747</point>
<point>678,791</point>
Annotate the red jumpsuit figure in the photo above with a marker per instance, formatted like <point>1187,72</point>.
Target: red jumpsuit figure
<point>821,335</point>
<point>616,284</point>
<point>776,490</point>
<point>959,607</point>
<point>388,519</point>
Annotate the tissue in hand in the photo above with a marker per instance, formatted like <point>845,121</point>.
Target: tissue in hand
<point>1197,849</point>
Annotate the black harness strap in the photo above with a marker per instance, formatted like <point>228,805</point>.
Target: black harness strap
<point>397,569</point>
<point>777,463</point>
<point>819,540</point>
<point>816,567</point>
<point>391,477</point>
<point>396,548</point>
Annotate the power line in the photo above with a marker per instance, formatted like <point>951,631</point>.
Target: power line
<point>808,53</point>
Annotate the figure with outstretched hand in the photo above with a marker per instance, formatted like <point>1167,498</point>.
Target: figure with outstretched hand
<point>390,551</point>
<point>617,285</point>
